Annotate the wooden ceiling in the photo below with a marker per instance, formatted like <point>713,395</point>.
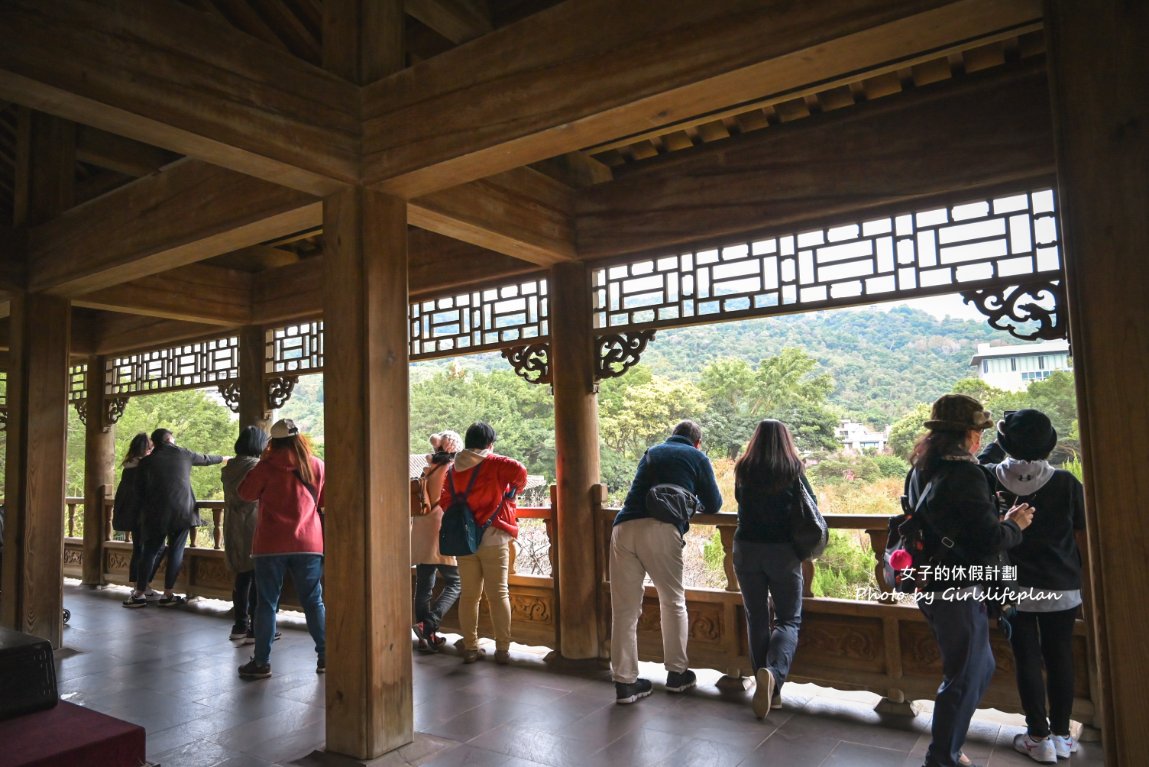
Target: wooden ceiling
<point>527,212</point>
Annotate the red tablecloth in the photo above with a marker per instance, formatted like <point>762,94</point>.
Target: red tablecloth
<point>70,735</point>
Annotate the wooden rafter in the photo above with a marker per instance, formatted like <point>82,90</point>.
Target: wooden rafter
<point>194,293</point>
<point>456,20</point>
<point>189,212</point>
<point>179,79</point>
<point>992,130</point>
<point>562,79</point>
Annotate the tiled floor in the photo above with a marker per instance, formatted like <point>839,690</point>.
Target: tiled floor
<point>173,671</point>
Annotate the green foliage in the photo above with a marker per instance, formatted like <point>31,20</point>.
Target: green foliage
<point>198,420</point>
<point>843,566</point>
<point>906,431</point>
<point>786,386</point>
<point>713,554</point>
<point>521,413</point>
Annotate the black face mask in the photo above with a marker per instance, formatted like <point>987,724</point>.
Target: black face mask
<point>440,456</point>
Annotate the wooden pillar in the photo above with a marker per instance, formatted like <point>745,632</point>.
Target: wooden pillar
<point>253,409</point>
<point>99,459</point>
<point>576,445</point>
<point>31,587</point>
<point>1099,78</point>
<point>368,582</point>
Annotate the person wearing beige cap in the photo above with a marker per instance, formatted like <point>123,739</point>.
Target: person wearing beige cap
<point>288,483</point>
<point>962,535</point>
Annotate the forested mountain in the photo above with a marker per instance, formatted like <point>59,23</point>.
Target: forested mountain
<point>882,362</point>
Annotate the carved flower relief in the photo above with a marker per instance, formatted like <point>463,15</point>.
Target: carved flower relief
<point>840,640</point>
<point>531,608</point>
<point>73,556</point>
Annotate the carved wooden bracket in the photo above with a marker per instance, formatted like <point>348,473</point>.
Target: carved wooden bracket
<point>531,362</point>
<point>1014,308</point>
<point>230,393</point>
<point>113,411</point>
<point>4,418</point>
<point>619,352</point>
<point>279,390</point>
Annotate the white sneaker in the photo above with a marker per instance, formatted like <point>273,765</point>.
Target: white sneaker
<point>1038,750</point>
<point>1064,745</point>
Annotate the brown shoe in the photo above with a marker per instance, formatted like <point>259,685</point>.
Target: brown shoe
<point>502,657</point>
<point>471,656</point>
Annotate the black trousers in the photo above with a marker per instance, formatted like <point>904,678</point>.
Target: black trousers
<point>1044,639</point>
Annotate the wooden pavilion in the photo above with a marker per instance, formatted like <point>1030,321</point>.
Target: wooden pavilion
<point>234,192</point>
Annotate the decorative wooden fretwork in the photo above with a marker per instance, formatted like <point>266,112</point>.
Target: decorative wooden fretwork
<point>187,366</point>
<point>1030,311</point>
<point>3,400</point>
<point>619,352</point>
<point>81,406</point>
<point>974,245</point>
<point>279,390</point>
<point>531,362</point>
<point>295,349</point>
<point>230,393</point>
<point>77,382</point>
<point>479,320</point>
<point>114,409</point>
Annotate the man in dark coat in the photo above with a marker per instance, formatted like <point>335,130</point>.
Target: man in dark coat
<point>167,511</point>
<point>642,545</point>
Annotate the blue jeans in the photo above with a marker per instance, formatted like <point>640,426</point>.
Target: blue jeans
<point>432,614</point>
<point>307,574</point>
<point>137,555</point>
<point>962,632</point>
<point>150,556</point>
<point>765,570</point>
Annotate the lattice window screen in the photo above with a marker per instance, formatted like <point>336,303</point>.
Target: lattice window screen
<point>912,254</point>
<point>187,366</point>
<point>479,320</point>
<point>77,383</point>
<point>295,349</point>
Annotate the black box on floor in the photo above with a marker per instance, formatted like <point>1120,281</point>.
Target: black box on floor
<point>27,674</point>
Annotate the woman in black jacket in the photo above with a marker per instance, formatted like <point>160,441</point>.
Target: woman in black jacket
<point>126,509</point>
<point>766,485</point>
<point>959,510</point>
<point>1048,589</point>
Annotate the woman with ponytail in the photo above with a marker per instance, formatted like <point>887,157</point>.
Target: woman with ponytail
<point>288,483</point>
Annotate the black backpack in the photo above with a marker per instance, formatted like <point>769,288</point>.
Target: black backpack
<point>459,535</point>
<point>912,541</point>
<point>672,504</point>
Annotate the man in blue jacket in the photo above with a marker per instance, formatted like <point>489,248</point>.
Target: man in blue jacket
<point>641,545</point>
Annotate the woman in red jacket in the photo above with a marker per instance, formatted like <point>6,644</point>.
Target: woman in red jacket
<point>288,483</point>
<point>497,481</point>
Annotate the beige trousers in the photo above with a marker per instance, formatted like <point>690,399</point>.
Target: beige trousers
<point>637,548</point>
<point>485,572</point>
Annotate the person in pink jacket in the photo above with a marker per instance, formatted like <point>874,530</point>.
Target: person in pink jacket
<point>288,483</point>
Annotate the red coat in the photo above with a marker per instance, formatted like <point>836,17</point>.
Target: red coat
<point>288,521</point>
<point>498,475</point>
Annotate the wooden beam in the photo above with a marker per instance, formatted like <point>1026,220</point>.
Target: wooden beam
<point>188,212</point>
<point>456,20</point>
<point>987,131</point>
<point>123,155</point>
<point>369,683</point>
<point>172,77</point>
<point>587,71</point>
<point>194,293</point>
<point>13,255</point>
<point>52,169</point>
<point>521,213</point>
<point>113,333</point>
<point>34,479</point>
<point>1098,65</point>
<point>363,39</point>
<point>436,264</point>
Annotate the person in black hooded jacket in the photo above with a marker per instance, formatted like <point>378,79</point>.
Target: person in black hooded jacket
<point>1048,590</point>
<point>959,507</point>
<point>168,511</point>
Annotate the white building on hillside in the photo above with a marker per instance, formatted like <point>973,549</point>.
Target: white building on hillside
<point>1013,368</point>
<point>858,438</point>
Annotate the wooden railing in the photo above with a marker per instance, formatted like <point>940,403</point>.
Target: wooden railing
<point>875,645</point>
